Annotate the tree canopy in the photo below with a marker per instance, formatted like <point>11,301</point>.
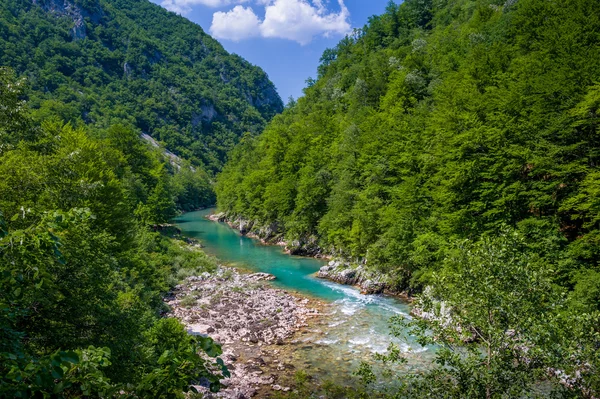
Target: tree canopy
<point>434,136</point>
<point>131,62</point>
<point>439,121</point>
<point>81,274</point>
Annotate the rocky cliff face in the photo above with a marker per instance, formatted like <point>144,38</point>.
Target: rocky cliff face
<point>73,11</point>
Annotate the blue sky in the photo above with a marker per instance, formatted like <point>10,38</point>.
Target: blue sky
<point>284,37</point>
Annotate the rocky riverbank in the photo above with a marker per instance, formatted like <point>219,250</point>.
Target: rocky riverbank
<point>252,320</point>
<point>339,271</point>
<point>344,273</point>
<point>368,282</point>
<point>272,234</point>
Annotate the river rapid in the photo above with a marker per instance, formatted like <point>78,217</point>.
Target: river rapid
<point>353,327</point>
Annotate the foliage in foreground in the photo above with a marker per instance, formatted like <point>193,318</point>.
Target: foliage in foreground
<point>81,274</point>
<point>502,330</point>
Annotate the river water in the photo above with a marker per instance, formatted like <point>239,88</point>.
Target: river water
<point>354,326</point>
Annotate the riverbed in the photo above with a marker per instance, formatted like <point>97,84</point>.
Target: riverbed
<point>352,328</point>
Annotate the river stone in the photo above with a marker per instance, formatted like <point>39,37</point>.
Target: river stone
<point>348,273</point>
<point>370,287</point>
<point>236,312</point>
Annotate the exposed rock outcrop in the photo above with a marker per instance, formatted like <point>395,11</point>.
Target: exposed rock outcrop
<point>217,217</point>
<point>65,8</point>
<point>345,273</point>
<point>173,159</point>
<point>306,246</point>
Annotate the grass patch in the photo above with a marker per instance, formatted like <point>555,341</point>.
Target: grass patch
<point>188,301</point>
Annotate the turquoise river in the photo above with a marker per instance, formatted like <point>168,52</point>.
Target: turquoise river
<point>353,326</point>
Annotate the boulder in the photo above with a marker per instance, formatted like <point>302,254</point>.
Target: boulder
<point>218,217</point>
<point>371,287</point>
<point>324,272</point>
<point>244,226</point>
<point>347,276</point>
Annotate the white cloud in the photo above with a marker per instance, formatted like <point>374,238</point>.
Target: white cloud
<point>185,6</point>
<point>237,24</point>
<point>301,21</point>
<point>297,20</point>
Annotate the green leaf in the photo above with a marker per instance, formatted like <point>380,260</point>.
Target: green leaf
<point>58,372</point>
<point>70,357</point>
<point>58,387</point>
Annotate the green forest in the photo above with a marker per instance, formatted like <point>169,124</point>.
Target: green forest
<point>82,274</point>
<point>131,62</point>
<point>83,270</point>
<point>452,146</point>
<point>438,122</point>
<point>449,147</point>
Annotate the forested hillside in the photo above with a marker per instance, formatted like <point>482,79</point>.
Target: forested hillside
<point>81,274</point>
<point>450,149</point>
<point>83,271</point>
<point>131,62</point>
<point>436,122</point>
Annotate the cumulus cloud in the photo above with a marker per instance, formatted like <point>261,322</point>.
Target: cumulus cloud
<point>185,6</point>
<point>297,20</point>
<point>300,20</point>
<point>237,24</point>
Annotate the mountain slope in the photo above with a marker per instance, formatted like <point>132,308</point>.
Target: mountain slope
<point>110,61</point>
<point>450,149</point>
<point>439,121</point>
